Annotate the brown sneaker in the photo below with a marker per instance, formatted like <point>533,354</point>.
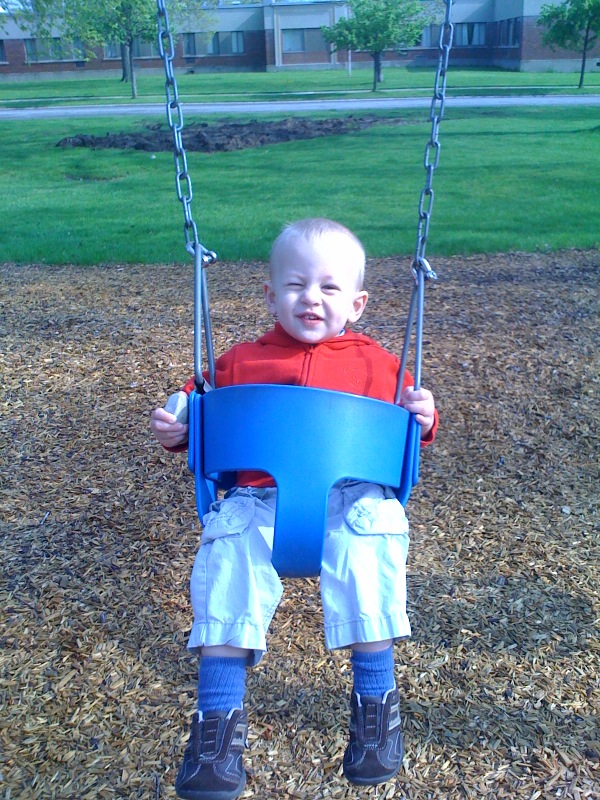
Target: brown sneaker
<point>375,751</point>
<point>212,763</point>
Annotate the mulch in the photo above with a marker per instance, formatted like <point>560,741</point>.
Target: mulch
<point>499,682</point>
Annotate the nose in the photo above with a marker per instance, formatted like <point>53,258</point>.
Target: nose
<point>311,294</point>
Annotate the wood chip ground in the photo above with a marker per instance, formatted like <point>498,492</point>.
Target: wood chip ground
<point>499,683</point>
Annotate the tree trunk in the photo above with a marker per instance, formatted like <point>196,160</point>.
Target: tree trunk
<point>124,64</point>
<point>376,70</point>
<point>132,74</point>
<point>586,42</point>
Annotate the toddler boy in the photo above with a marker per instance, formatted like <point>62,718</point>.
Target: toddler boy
<point>315,290</point>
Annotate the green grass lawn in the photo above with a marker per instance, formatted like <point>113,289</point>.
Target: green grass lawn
<point>508,180</point>
<point>222,86</point>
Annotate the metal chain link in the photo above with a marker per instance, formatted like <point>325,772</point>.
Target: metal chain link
<point>420,266</point>
<point>183,181</point>
<point>432,150</point>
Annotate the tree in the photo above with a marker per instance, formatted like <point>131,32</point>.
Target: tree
<point>99,22</point>
<point>379,25</point>
<point>123,22</point>
<point>573,25</point>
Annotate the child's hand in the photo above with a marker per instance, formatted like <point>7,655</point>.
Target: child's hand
<point>167,430</point>
<point>420,403</point>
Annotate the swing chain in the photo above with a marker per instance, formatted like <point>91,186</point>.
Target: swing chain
<point>432,150</point>
<point>183,181</point>
<point>421,268</point>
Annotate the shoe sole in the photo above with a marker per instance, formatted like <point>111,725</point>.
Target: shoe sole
<point>357,781</point>
<point>218,795</point>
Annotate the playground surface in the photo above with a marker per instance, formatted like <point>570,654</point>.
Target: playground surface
<point>499,683</point>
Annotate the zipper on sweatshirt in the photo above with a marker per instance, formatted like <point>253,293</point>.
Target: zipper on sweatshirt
<point>307,364</point>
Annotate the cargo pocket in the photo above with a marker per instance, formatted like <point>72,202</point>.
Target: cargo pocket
<point>229,517</point>
<point>372,509</point>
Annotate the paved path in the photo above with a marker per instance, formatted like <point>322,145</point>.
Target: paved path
<point>296,106</point>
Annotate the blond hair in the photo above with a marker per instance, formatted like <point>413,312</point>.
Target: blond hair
<point>314,228</point>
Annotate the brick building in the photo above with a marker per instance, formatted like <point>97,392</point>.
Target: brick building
<point>286,34</point>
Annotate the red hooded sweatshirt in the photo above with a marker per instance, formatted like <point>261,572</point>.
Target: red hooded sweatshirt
<point>351,362</point>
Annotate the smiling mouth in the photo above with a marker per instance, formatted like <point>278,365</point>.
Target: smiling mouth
<point>310,317</point>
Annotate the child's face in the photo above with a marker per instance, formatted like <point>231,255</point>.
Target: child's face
<point>314,288</point>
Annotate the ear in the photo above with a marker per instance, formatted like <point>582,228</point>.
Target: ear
<point>269,297</point>
<point>358,306</point>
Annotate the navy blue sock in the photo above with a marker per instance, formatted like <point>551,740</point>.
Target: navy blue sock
<point>373,672</point>
<point>221,683</point>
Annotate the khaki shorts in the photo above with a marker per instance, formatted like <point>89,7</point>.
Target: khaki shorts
<point>235,590</point>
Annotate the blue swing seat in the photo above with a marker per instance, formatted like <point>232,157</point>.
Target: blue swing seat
<point>307,439</point>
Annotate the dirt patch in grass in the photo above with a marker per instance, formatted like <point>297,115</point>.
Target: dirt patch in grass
<point>219,137</point>
<point>500,681</point>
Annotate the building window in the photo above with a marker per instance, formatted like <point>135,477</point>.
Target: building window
<point>230,42</point>
<point>2,51</point>
<point>143,49</point>
<point>213,46</point>
<point>303,40</point>
<point>140,49</point>
<point>222,43</point>
<point>293,40</point>
<point>509,32</point>
<point>237,41</point>
<point>54,49</point>
<point>469,34</point>
<point>431,36</point>
<point>200,44</point>
<point>189,45</point>
<point>112,50</point>
<point>314,41</point>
